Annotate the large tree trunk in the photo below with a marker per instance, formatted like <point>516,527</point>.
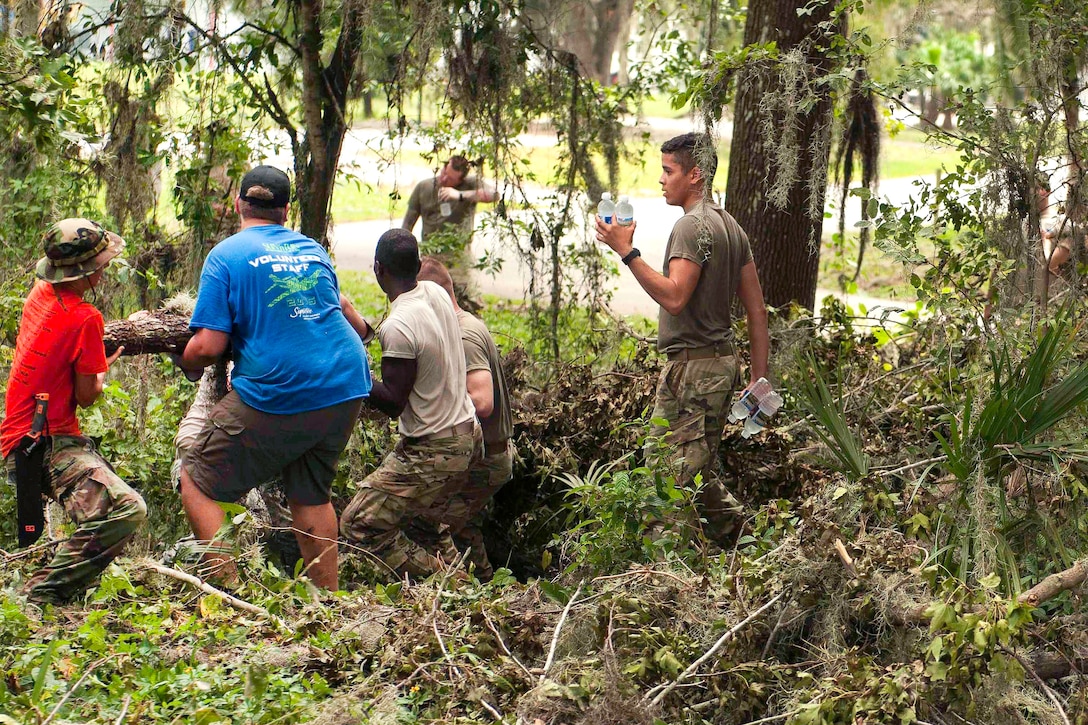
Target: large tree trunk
<point>785,241</point>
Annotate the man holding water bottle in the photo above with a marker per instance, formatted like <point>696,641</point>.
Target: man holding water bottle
<point>447,205</point>
<point>708,261</point>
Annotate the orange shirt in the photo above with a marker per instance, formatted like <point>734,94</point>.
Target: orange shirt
<point>60,335</point>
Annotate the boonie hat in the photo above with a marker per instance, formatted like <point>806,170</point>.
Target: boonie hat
<point>76,248</point>
<point>266,186</point>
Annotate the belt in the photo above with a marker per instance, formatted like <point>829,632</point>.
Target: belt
<point>460,429</point>
<point>493,449</point>
<point>721,349</point>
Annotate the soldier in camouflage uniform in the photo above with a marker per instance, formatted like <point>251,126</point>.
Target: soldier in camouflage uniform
<point>424,385</point>
<point>59,351</point>
<point>462,512</point>
<point>708,262</point>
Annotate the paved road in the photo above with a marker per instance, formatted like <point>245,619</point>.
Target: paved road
<point>353,243</point>
<point>353,247</point>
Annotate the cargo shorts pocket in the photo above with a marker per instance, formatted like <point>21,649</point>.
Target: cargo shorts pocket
<point>226,420</point>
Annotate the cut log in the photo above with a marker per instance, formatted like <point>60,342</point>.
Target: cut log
<point>146,332</point>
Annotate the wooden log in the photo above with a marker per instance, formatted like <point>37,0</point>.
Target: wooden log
<point>1055,665</point>
<point>146,332</point>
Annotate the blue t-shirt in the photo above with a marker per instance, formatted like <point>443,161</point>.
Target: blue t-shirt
<point>275,293</point>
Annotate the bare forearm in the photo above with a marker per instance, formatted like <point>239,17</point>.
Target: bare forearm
<point>382,398</point>
<point>759,342</point>
<point>663,290</point>
<point>482,195</point>
<point>357,321</point>
<point>204,348</point>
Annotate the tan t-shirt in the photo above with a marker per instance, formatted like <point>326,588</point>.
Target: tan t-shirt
<point>481,353</point>
<point>710,237</point>
<point>425,203</point>
<point>422,326</point>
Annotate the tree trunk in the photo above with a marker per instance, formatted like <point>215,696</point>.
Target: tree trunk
<point>144,333</point>
<point>785,241</point>
<point>590,29</point>
<point>324,110</point>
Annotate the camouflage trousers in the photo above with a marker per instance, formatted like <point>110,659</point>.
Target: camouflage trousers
<point>105,509</point>
<point>389,502</point>
<point>462,513</point>
<point>694,397</point>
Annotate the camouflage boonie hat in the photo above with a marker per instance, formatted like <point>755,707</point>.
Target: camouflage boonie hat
<point>76,248</point>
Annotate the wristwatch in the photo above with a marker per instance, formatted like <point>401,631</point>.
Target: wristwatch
<point>631,256</point>
<point>460,196</point>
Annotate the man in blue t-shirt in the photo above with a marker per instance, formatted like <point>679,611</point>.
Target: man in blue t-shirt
<point>270,296</point>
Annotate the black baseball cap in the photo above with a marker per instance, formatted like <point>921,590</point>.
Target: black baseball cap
<point>267,187</point>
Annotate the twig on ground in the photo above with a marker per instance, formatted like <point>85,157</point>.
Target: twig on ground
<point>1042,685</point>
<point>772,718</point>
<point>912,466</point>
<point>644,572</point>
<point>207,588</point>
<point>774,632</point>
<point>663,690</point>
<point>124,710</point>
<point>73,688</point>
<point>558,628</point>
<point>434,608</point>
<point>491,709</point>
<point>16,555</point>
<point>502,644</point>
<point>844,555</point>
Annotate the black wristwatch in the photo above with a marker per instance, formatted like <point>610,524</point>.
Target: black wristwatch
<point>631,256</point>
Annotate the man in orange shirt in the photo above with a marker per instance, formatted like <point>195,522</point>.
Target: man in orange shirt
<point>60,352</point>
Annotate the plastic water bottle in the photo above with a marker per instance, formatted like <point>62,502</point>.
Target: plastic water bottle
<point>606,209</point>
<point>766,410</point>
<point>625,213</point>
<point>749,401</point>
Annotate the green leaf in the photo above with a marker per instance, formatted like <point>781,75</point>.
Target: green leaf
<point>554,591</point>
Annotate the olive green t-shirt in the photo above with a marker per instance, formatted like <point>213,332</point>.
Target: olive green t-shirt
<point>425,203</point>
<point>481,353</point>
<point>710,237</point>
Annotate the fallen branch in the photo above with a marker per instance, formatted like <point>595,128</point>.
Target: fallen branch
<point>663,690</point>
<point>207,588</point>
<point>146,332</point>
<point>15,556</point>
<point>1042,592</point>
<point>502,645</point>
<point>558,628</point>
<point>1055,584</point>
<point>912,466</point>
